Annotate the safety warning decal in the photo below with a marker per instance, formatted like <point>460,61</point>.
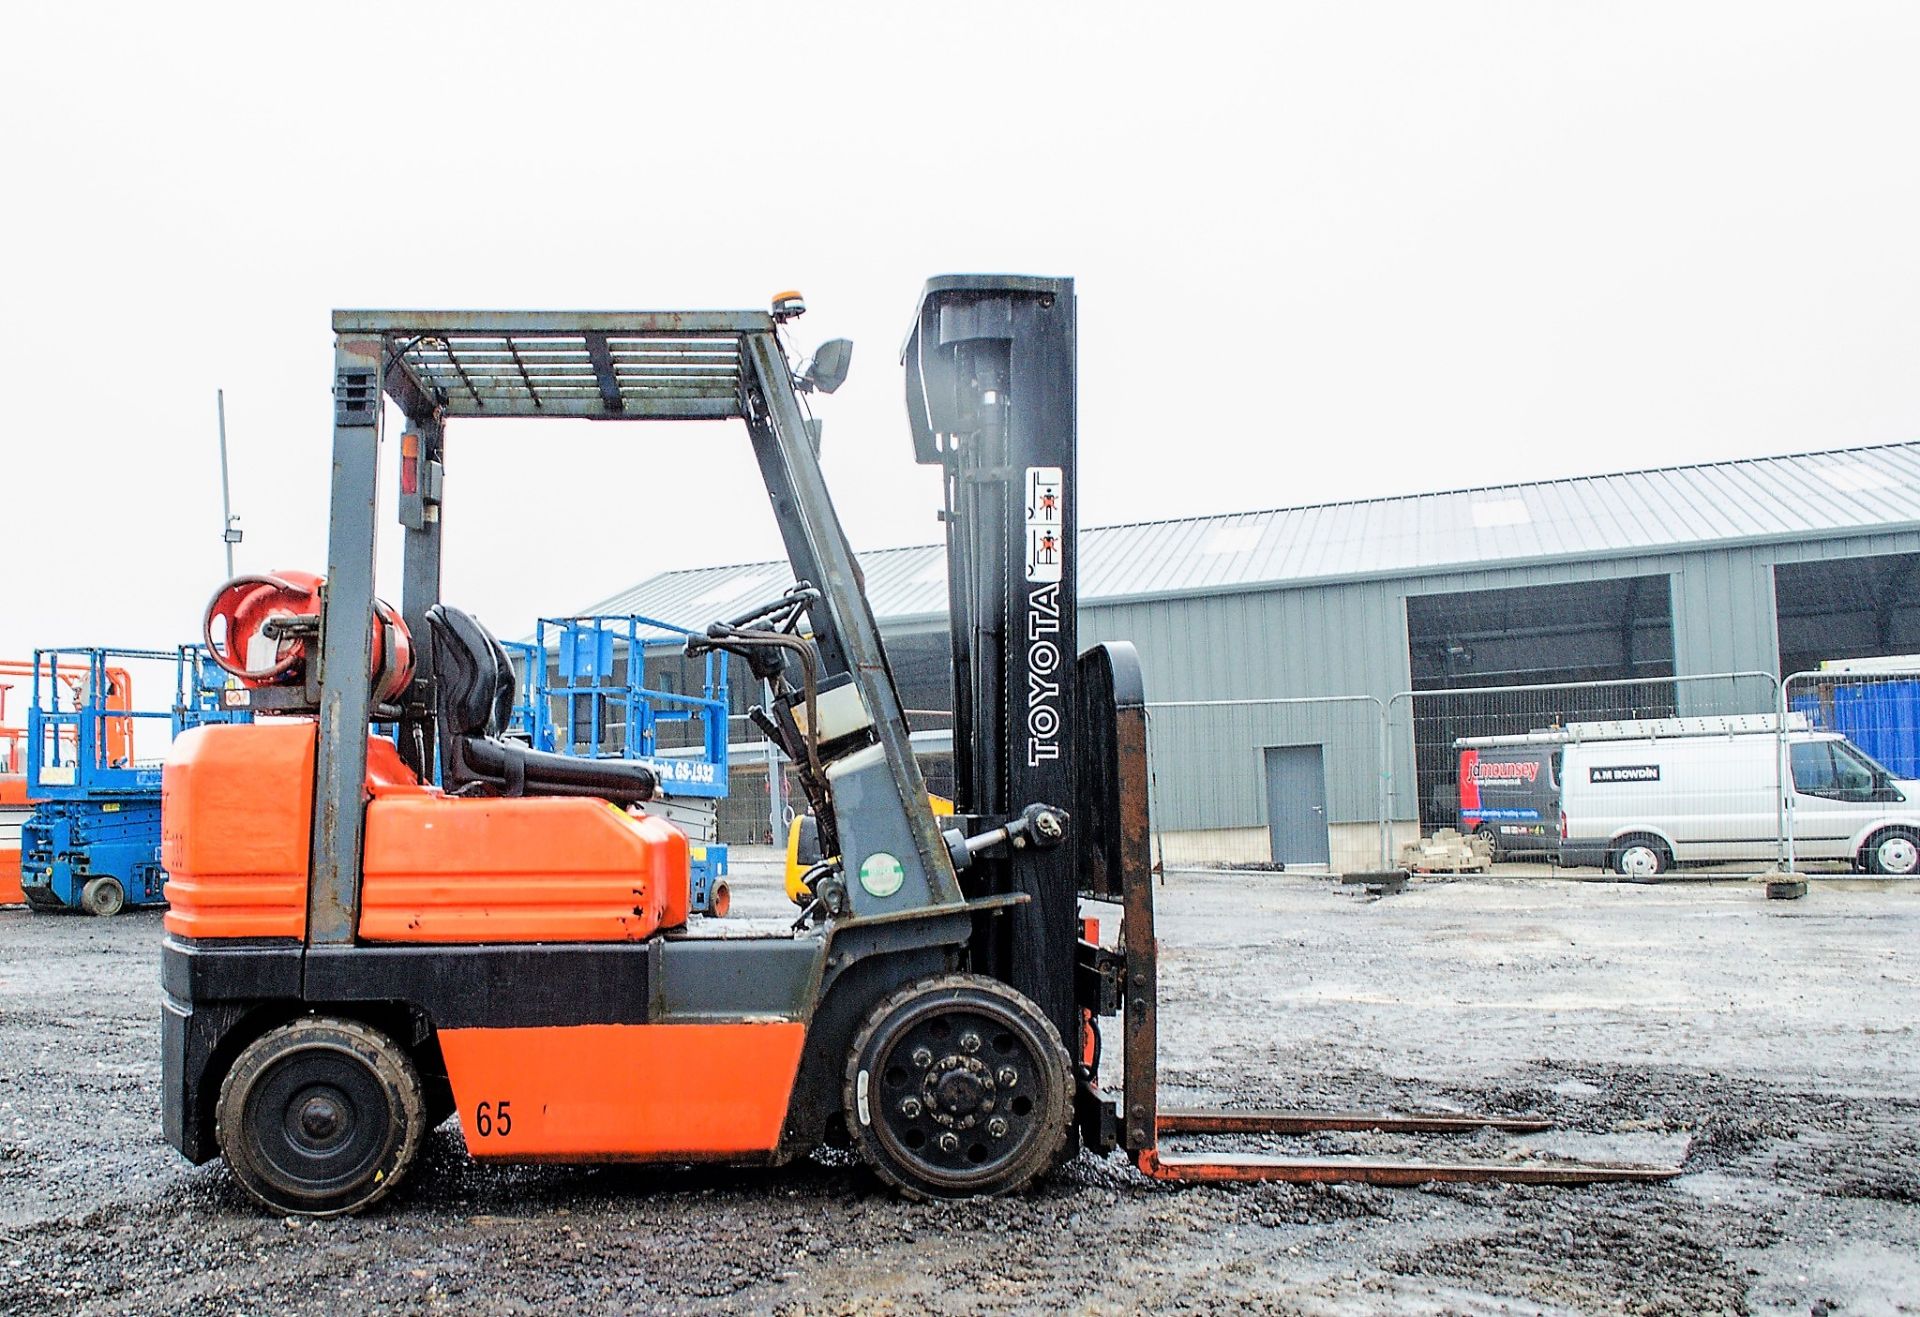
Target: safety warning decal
<point>1046,539</point>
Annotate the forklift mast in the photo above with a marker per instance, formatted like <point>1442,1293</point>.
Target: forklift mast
<point>990,385</point>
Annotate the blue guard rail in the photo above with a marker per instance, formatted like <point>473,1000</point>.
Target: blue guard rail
<point>93,840</point>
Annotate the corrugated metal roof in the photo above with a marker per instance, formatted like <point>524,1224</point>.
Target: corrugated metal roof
<point>1842,491</point>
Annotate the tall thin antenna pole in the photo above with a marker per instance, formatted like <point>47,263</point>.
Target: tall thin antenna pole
<point>227,535</point>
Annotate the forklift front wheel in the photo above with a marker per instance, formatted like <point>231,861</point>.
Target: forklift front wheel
<point>321,1117</point>
<point>719,899</point>
<point>957,1087</point>
<point>103,896</point>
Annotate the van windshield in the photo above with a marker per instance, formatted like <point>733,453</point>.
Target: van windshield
<point>1837,770</point>
<point>1859,756</point>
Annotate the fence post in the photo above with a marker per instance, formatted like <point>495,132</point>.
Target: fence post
<point>1385,807</point>
<point>1783,815</point>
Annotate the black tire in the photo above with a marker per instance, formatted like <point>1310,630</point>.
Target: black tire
<point>1640,857</point>
<point>320,1117</point>
<point>103,896</point>
<point>958,1087</point>
<point>1892,852</point>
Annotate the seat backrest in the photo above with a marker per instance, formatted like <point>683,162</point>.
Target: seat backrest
<point>473,675</point>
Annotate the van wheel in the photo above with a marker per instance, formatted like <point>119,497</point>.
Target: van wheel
<point>1493,842</point>
<point>1641,857</point>
<point>320,1117</point>
<point>1895,853</point>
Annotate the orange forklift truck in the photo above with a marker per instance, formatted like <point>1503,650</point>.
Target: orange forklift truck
<point>354,953</point>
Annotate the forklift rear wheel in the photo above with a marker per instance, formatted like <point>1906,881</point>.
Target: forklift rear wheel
<point>719,900</point>
<point>958,1086</point>
<point>103,896</point>
<point>321,1117</point>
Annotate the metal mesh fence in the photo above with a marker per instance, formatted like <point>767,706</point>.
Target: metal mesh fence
<point>1491,760</point>
<point>1649,774</point>
<point>1653,775</point>
<point>1267,783</point>
<point>1852,755</point>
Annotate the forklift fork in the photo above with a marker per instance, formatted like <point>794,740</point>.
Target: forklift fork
<point>1116,865</point>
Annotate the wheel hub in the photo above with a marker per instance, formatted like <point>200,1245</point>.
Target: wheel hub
<point>321,1119</point>
<point>959,1092</point>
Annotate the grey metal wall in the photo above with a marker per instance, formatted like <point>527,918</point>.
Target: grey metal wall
<point>1335,640</point>
<point>1351,638</point>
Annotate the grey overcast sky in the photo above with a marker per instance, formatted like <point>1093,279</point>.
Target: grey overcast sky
<point>1324,251</point>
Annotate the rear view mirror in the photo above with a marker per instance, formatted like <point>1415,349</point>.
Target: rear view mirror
<point>828,369</point>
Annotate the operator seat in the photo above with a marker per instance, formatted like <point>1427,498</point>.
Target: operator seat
<point>474,685</point>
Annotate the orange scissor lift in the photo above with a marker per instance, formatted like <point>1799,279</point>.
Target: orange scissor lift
<point>13,788</point>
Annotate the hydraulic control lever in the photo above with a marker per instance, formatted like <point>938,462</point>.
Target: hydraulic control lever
<point>1040,827</point>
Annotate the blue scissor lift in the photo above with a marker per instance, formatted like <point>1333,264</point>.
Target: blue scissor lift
<point>532,671</point>
<point>93,841</point>
<point>587,696</point>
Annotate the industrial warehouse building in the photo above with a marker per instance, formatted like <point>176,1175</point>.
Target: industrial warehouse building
<point>1770,565</point>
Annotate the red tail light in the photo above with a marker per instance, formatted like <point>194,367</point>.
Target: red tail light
<point>410,463</point>
<point>1563,825</point>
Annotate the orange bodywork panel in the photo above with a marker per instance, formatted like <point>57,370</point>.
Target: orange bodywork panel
<point>553,869</point>
<point>236,805</point>
<point>624,1092</point>
<point>236,812</point>
<point>13,812</point>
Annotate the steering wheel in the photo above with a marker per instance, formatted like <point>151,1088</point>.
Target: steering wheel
<point>781,614</point>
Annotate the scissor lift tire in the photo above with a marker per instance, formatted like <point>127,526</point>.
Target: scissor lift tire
<point>103,896</point>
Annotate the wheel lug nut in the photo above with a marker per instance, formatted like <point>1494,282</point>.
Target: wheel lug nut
<point>922,1057</point>
<point>949,1142</point>
<point>969,1042</point>
<point>997,1127</point>
<point>1008,1076</point>
<point>910,1107</point>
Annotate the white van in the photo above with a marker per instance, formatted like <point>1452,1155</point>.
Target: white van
<point>1641,804</point>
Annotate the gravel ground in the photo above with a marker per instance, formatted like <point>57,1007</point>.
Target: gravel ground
<point>1771,1045</point>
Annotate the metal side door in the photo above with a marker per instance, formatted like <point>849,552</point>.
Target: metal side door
<point>1297,804</point>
